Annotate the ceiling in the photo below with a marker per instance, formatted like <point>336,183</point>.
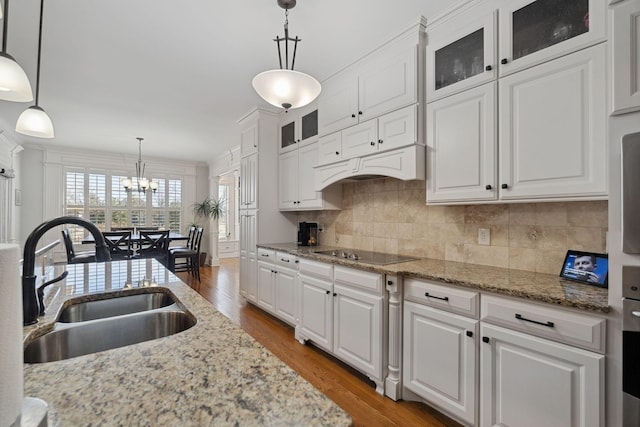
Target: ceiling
<point>178,73</point>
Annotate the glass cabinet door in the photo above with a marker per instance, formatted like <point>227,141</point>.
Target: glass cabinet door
<point>460,60</point>
<point>287,135</point>
<point>309,125</point>
<point>536,31</point>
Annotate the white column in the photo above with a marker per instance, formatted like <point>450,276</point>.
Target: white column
<point>213,224</point>
<point>393,382</point>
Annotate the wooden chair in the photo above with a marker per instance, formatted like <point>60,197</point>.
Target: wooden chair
<point>187,259</point>
<point>190,236</point>
<point>119,244</point>
<point>74,257</point>
<point>154,244</point>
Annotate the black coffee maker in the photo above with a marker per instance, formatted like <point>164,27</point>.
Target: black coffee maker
<point>307,234</point>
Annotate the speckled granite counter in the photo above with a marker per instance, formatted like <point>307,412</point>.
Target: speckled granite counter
<point>540,287</point>
<point>211,374</point>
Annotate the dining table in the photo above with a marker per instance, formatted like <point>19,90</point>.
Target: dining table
<point>135,238</point>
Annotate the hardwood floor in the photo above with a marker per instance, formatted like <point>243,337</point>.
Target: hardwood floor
<point>348,388</point>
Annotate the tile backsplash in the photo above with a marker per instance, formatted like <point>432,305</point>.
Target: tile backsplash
<point>389,215</point>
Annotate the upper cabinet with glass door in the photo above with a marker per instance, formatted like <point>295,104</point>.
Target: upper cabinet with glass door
<point>298,128</point>
<point>461,54</point>
<point>532,32</point>
<point>464,50</point>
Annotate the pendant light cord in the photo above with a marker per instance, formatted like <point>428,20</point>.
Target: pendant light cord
<point>4,26</point>
<point>39,50</point>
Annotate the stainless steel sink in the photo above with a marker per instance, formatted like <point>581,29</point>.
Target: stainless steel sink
<point>69,340</point>
<point>114,306</point>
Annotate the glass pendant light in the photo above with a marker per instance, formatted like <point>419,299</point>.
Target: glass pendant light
<point>34,121</point>
<point>285,87</point>
<point>14,83</point>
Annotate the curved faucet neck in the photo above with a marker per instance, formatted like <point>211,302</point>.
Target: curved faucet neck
<point>29,302</point>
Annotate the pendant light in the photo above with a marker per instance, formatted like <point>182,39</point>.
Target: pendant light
<point>285,87</point>
<point>14,83</point>
<point>142,183</point>
<point>34,121</point>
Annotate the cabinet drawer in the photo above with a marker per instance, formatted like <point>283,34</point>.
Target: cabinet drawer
<point>364,280</point>
<point>320,270</point>
<point>560,325</point>
<point>441,296</point>
<point>268,255</point>
<point>287,260</point>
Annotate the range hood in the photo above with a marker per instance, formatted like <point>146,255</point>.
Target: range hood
<point>406,163</point>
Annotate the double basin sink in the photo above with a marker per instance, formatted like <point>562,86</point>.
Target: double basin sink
<point>109,322</point>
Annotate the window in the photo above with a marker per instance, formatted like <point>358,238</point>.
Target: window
<point>86,196</point>
<point>223,220</point>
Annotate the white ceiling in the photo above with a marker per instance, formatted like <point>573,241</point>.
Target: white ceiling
<point>178,73</point>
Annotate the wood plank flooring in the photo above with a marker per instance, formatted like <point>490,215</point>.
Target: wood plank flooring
<point>348,388</point>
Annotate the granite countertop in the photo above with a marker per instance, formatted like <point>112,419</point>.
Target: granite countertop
<point>539,287</point>
<point>211,374</point>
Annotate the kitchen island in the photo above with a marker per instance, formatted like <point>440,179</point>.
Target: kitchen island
<point>211,374</point>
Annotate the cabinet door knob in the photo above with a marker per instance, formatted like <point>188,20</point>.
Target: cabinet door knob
<point>389,282</point>
<point>488,68</point>
<point>504,186</point>
<point>485,339</point>
<point>359,113</point>
<point>353,115</point>
<point>373,143</point>
<point>504,61</point>
<point>335,294</point>
<point>328,292</point>
<point>469,333</point>
<point>337,153</point>
<point>380,141</point>
<point>487,187</point>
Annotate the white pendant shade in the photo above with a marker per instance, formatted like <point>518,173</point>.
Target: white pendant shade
<point>14,83</point>
<point>286,88</point>
<point>34,121</point>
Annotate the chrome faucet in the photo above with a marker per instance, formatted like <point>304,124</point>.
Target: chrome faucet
<point>31,305</point>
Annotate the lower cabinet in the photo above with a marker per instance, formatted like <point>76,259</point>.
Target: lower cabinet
<point>342,310</point>
<point>440,358</point>
<point>520,365</point>
<point>276,291</point>
<point>527,381</point>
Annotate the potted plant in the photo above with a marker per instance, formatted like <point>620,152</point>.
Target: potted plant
<point>206,210</point>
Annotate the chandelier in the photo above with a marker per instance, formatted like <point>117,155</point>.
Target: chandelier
<point>285,87</point>
<point>141,183</point>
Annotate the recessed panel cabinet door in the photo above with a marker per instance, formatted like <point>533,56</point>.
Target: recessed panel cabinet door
<point>360,140</point>
<point>266,283</point>
<point>553,139</point>
<point>338,103</point>
<point>307,159</point>
<point>531,382</point>
<point>461,146</point>
<point>626,56</point>
<point>285,295</point>
<point>288,180</point>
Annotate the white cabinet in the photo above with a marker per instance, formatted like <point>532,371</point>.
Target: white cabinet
<point>343,311</point>
<point>296,179</point>
<point>277,290</point>
<point>298,128</point>
<point>383,81</point>
<point>248,231</point>
<point>440,347</point>
<point>440,359</point>
<point>564,159</point>
<point>388,132</point>
<point>529,382</point>
<point>316,304</point>
<point>258,187</point>
<point>626,56</point>
<point>529,359</point>
<point>462,146</point>
<point>249,182</point>
<point>462,48</point>
<point>552,132</point>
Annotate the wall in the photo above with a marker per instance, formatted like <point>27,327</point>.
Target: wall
<point>389,215</point>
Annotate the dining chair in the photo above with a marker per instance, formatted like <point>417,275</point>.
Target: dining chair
<point>74,257</point>
<point>144,228</point>
<point>122,228</point>
<point>154,244</point>
<point>119,244</point>
<point>187,259</point>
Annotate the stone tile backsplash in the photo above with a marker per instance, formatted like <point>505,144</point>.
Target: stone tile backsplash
<point>389,215</point>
